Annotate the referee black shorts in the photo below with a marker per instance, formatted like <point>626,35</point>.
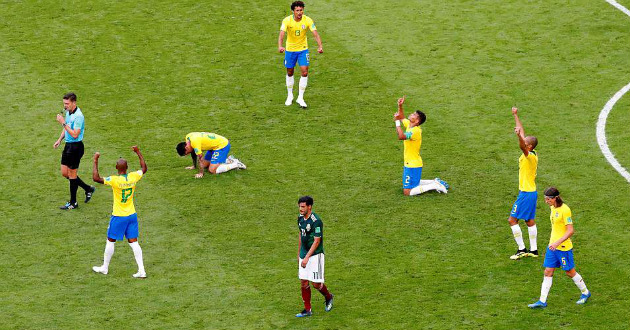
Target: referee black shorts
<point>72,153</point>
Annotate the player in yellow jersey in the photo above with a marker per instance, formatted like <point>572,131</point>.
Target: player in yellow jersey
<point>295,27</point>
<point>216,148</point>
<point>525,206</point>
<point>412,137</point>
<point>560,250</point>
<point>124,220</point>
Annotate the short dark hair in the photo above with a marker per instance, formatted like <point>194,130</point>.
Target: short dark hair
<point>70,96</point>
<point>181,148</point>
<point>306,199</point>
<point>554,192</point>
<point>421,117</point>
<point>297,4</point>
<point>534,142</point>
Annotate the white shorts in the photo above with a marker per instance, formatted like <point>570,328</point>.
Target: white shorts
<point>314,270</point>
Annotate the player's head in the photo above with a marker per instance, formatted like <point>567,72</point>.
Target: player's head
<point>305,203</point>
<point>183,149</point>
<point>552,197</point>
<point>121,165</point>
<point>297,7</point>
<point>70,101</point>
<point>417,118</point>
<point>531,142</point>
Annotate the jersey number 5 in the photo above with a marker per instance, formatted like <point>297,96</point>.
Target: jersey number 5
<point>126,193</point>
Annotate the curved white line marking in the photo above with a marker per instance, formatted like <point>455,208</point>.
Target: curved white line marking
<point>603,115</point>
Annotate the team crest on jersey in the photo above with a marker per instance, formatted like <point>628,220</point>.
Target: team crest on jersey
<point>308,227</point>
<point>303,27</point>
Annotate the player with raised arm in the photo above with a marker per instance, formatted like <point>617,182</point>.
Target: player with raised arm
<point>124,220</point>
<point>216,148</point>
<point>412,137</point>
<point>311,256</point>
<point>295,27</point>
<point>559,253</point>
<point>525,206</point>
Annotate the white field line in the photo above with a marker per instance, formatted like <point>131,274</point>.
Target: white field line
<point>603,115</point>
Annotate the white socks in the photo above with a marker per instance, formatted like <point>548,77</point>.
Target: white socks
<point>544,289</point>
<point>518,236</point>
<point>290,82</point>
<point>533,233</point>
<point>226,167</point>
<point>303,83</point>
<point>109,252</point>
<point>424,186</point>
<point>577,279</point>
<point>137,253</point>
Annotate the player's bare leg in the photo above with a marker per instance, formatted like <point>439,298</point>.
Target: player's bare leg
<point>290,81</point>
<point>303,83</point>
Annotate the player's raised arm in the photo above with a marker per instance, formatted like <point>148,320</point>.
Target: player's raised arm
<point>95,176</point>
<point>398,116</point>
<point>143,164</point>
<point>520,132</point>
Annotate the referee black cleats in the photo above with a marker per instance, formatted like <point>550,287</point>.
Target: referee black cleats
<point>89,193</point>
<point>69,206</point>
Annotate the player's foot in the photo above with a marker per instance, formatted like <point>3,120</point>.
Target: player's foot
<point>583,298</point>
<point>533,254</point>
<point>538,304</point>
<point>442,182</point>
<point>89,193</point>
<point>140,275</point>
<point>304,313</point>
<point>100,269</point>
<point>441,188</point>
<point>329,303</point>
<point>69,206</point>
<point>520,254</point>
<point>230,159</point>
<point>301,103</point>
<point>289,100</point>
<point>240,165</point>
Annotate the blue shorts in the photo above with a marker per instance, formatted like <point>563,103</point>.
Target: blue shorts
<point>525,206</point>
<point>218,156</point>
<point>559,259</point>
<point>411,177</point>
<point>301,57</point>
<point>120,227</point>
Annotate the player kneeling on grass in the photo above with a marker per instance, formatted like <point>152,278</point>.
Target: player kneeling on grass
<point>124,221</point>
<point>560,250</point>
<point>216,147</point>
<point>412,137</point>
<point>311,256</point>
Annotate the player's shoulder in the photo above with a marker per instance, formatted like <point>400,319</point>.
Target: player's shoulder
<point>565,208</point>
<point>315,217</point>
<point>307,19</point>
<point>136,174</point>
<point>287,19</point>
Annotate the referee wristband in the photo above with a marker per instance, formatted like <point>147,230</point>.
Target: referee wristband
<point>397,123</point>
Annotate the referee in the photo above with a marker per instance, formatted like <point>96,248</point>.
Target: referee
<point>73,127</point>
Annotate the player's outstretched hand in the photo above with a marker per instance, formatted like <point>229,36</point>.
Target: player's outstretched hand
<point>96,155</point>
<point>281,49</point>
<point>135,149</point>
<point>514,110</point>
<point>320,50</point>
<point>198,175</point>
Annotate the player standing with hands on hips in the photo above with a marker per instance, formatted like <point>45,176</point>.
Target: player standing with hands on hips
<point>73,127</point>
<point>311,255</point>
<point>295,27</point>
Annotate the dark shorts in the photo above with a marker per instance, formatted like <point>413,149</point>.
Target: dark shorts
<point>72,153</point>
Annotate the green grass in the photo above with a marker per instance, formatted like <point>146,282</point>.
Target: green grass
<point>220,252</point>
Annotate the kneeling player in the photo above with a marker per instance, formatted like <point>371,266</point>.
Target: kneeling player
<point>216,147</point>
<point>311,255</point>
<point>124,220</point>
<point>560,250</point>
<point>412,173</point>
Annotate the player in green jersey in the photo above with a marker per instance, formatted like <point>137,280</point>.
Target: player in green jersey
<point>311,255</point>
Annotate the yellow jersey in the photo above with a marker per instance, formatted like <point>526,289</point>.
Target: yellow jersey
<point>123,187</point>
<point>560,218</point>
<point>527,166</point>
<point>296,32</point>
<point>204,141</point>
<point>412,145</point>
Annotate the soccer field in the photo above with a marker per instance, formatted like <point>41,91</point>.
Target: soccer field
<point>220,252</point>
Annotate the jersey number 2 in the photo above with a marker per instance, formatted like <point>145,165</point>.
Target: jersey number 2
<point>126,193</point>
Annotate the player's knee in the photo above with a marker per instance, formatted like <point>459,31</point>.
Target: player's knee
<point>406,192</point>
<point>317,286</point>
<point>305,74</point>
<point>111,239</point>
<point>212,169</point>
<point>548,272</point>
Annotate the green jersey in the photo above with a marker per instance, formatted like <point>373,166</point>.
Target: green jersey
<point>310,228</point>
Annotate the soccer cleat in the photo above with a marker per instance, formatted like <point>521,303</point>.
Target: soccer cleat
<point>69,206</point>
<point>304,313</point>
<point>140,275</point>
<point>538,304</point>
<point>240,165</point>
<point>533,254</point>
<point>289,100</point>
<point>441,188</point>
<point>100,269</point>
<point>89,193</point>
<point>442,182</point>
<point>583,298</point>
<point>329,303</point>
<point>520,254</point>
<point>301,103</point>
<point>230,159</point>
